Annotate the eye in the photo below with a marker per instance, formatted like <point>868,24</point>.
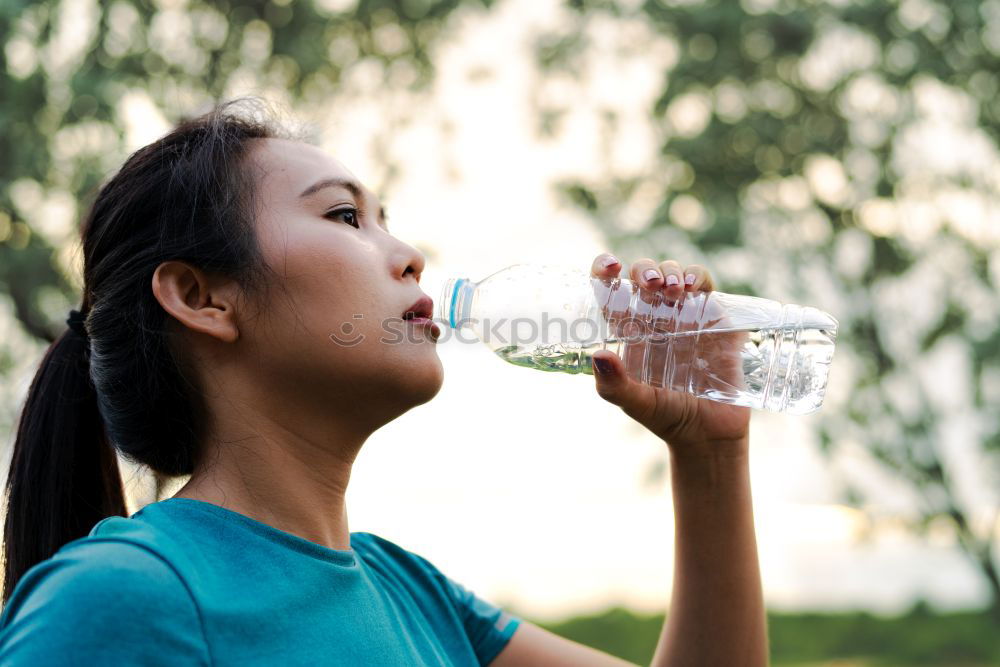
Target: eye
<point>348,215</point>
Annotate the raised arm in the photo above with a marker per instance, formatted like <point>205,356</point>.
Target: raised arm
<point>716,614</point>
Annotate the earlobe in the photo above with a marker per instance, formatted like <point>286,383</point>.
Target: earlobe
<point>198,301</point>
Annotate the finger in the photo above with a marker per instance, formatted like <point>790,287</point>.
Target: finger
<point>637,400</point>
<point>673,280</point>
<point>604,278</point>
<point>671,271</point>
<point>605,265</point>
<point>697,278</point>
<point>645,273</point>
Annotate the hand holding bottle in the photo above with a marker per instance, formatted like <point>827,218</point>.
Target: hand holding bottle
<point>669,330</point>
<point>687,423</point>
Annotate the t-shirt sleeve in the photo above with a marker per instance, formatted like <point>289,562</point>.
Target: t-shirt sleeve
<point>488,626</point>
<point>102,602</point>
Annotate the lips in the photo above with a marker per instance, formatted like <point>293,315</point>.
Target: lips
<point>423,308</point>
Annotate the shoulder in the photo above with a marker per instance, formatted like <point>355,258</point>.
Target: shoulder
<point>411,566</point>
<point>487,627</point>
<point>403,566</point>
<point>370,543</point>
<point>95,568</point>
<point>375,549</point>
<point>101,598</point>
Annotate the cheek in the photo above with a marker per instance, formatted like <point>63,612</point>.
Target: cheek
<point>332,318</point>
<point>330,282</point>
<point>328,314</point>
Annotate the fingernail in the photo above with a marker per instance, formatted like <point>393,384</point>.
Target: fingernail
<point>673,280</point>
<point>650,275</point>
<point>602,366</point>
<point>689,279</point>
<point>610,261</point>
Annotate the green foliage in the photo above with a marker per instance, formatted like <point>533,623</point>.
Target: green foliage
<point>783,121</point>
<point>919,637</point>
<point>801,130</point>
<point>66,68</point>
<point>617,631</point>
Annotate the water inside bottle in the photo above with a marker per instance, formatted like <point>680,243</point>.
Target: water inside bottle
<point>779,369</point>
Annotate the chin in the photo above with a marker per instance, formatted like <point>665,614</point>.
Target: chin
<point>426,380</point>
<point>414,381</point>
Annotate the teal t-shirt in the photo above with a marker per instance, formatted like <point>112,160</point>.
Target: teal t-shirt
<point>185,582</point>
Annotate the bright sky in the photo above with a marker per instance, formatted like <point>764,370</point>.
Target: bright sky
<point>526,486</point>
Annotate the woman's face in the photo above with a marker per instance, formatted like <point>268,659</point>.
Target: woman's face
<point>332,332</point>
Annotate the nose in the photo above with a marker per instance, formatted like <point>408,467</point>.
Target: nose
<point>413,262</point>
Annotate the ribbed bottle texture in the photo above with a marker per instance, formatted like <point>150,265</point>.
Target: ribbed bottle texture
<point>729,348</point>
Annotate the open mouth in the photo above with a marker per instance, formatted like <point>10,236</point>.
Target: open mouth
<point>423,309</point>
<point>421,314</point>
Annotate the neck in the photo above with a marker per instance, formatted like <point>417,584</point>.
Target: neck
<point>280,449</point>
<point>291,480</point>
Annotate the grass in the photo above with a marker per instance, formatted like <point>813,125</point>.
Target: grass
<point>855,639</point>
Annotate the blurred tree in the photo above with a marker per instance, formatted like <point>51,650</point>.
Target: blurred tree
<point>74,73</point>
<point>841,154</point>
<point>785,138</point>
<point>68,71</point>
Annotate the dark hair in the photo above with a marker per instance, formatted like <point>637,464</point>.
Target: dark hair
<point>189,197</point>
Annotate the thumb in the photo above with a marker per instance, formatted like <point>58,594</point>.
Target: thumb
<point>637,400</point>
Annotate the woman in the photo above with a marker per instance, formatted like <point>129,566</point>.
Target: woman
<point>217,263</point>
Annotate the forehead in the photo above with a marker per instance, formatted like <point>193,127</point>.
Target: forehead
<point>293,166</point>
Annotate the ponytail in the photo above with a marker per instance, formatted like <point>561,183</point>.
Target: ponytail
<point>117,386</point>
<point>63,475</point>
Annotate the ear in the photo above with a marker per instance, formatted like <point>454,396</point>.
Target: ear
<point>201,302</point>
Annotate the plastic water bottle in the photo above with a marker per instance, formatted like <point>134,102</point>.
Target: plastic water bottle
<point>734,349</point>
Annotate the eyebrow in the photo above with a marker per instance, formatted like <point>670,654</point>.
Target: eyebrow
<point>345,183</point>
<point>351,187</point>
